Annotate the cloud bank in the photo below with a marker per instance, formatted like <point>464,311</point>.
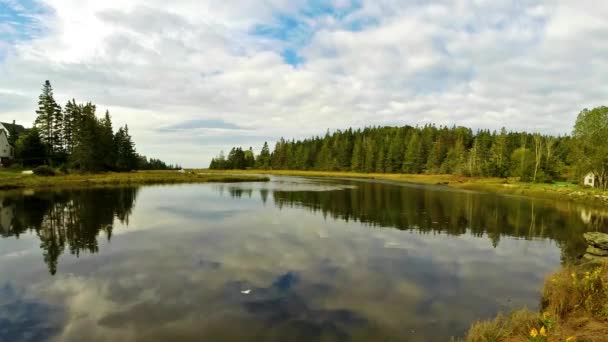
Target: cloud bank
<point>199,76</point>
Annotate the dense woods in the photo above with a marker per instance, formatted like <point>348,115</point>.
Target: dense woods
<point>428,149</point>
<point>74,137</point>
<point>443,150</point>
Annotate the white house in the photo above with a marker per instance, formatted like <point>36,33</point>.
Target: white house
<point>6,150</point>
<point>589,180</point>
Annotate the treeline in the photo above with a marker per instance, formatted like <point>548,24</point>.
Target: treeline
<point>428,149</point>
<point>445,150</point>
<point>237,160</point>
<point>74,137</point>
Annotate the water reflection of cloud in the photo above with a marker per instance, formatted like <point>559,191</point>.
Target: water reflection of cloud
<point>180,273</point>
<point>188,284</point>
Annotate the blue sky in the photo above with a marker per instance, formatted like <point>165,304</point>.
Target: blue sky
<point>18,21</point>
<point>198,76</point>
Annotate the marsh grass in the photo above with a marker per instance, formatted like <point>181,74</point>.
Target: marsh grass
<point>575,308</point>
<point>14,180</point>
<point>512,327</point>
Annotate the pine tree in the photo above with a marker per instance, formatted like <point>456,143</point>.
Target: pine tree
<point>395,154</point>
<point>263,160</point>
<point>71,117</point>
<point>369,152</point>
<point>49,120</point>
<point>106,143</point>
<point>356,163</point>
<point>411,159</point>
<point>126,158</point>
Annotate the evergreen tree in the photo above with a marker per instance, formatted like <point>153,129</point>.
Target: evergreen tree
<point>107,144</point>
<point>71,118</point>
<point>395,153</point>
<point>49,120</point>
<point>263,160</point>
<point>126,157</point>
<point>369,153</point>
<point>86,154</point>
<point>411,159</point>
<point>356,164</point>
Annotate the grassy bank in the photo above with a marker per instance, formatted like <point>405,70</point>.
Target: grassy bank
<point>575,308</point>
<point>15,180</point>
<point>497,185</point>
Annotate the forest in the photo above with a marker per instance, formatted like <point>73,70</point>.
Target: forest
<point>532,157</point>
<point>74,138</point>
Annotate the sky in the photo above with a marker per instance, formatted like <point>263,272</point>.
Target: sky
<point>193,77</point>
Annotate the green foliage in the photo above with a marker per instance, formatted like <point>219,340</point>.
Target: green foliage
<point>263,160</point>
<point>412,158</point>
<point>126,157</point>
<point>49,120</point>
<point>522,164</point>
<point>590,147</point>
<point>30,150</point>
<point>237,160</point>
<point>45,170</point>
<point>78,137</point>
<point>455,150</point>
<point>414,150</point>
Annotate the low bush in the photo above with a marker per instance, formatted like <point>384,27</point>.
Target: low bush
<point>575,308</point>
<point>577,289</point>
<point>15,167</point>
<point>45,170</point>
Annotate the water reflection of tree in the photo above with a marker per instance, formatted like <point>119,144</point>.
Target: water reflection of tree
<point>450,212</point>
<point>69,219</point>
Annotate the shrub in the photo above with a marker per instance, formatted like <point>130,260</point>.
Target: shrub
<point>574,289</point>
<point>15,167</point>
<point>64,169</point>
<point>45,170</point>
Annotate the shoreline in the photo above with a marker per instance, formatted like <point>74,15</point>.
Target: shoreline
<point>15,181</point>
<point>556,191</point>
<point>574,307</point>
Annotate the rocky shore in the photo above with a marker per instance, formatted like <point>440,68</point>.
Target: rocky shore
<point>597,249</point>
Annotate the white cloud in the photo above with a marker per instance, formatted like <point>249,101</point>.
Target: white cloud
<point>527,65</point>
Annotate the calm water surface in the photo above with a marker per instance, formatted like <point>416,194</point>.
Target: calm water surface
<point>290,260</point>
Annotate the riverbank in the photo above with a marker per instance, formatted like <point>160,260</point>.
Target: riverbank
<point>561,191</point>
<point>16,180</point>
<point>574,308</point>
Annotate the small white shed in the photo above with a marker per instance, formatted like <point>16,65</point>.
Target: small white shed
<point>589,180</point>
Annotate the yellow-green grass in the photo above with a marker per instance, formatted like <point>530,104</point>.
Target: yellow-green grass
<point>560,191</point>
<point>13,180</point>
<point>575,308</point>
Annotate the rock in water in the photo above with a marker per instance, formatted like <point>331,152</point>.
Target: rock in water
<point>595,258</point>
<point>596,251</point>
<point>597,239</point>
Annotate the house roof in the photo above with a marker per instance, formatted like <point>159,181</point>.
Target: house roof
<point>13,128</point>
